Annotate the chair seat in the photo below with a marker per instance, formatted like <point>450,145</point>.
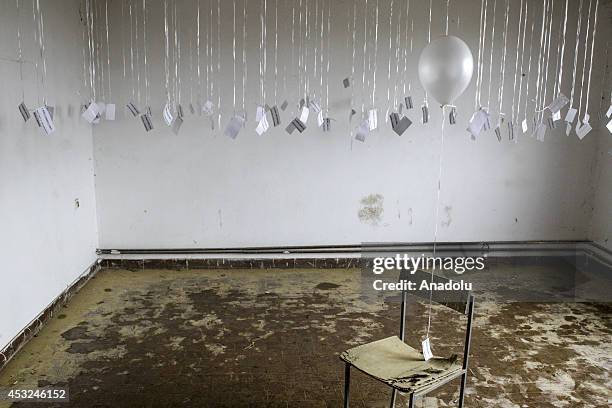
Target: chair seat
<point>402,367</point>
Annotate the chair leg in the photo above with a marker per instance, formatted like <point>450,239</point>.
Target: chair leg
<point>411,400</point>
<point>393,391</point>
<point>347,384</point>
<point>462,389</point>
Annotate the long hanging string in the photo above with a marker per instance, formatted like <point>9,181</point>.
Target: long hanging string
<point>578,28</point>
<point>198,53</point>
<point>108,76</point>
<point>518,113</point>
<point>244,59</point>
<point>390,51</point>
<point>144,48</point>
<point>586,47</point>
<point>491,59</point>
<point>327,69</point>
<point>481,48</point>
<point>447,4</point>
<point>406,41</point>
<point>545,83</point>
<point>438,193</point>
<point>20,53</point>
<point>539,69</point>
<point>375,56</point>
<point>275,51</point>
<point>365,43</point>
<point>219,62</point>
<point>586,110</point>
<point>167,49</point>
<point>560,77</point>
<point>518,41</point>
<point>41,39</point>
<point>529,67</point>
<point>234,52</point>
<point>503,63</point>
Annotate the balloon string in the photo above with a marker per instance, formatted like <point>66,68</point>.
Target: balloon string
<point>438,193</point>
<point>560,77</point>
<point>375,56</point>
<point>503,70</point>
<point>520,95</point>
<point>545,83</point>
<point>529,66</point>
<point>389,59</point>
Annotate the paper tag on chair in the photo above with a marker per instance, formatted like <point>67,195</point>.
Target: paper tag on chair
<point>427,354</point>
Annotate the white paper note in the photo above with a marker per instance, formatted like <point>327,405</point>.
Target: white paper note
<point>167,114</point>
<point>259,113</point>
<point>609,125</point>
<point>110,111</point>
<point>316,108</point>
<point>558,103</point>
<point>372,119</point>
<point>262,126</point>
<point>234,126</point>
<point>609,112</point>
<point>362,131</point>
<point>44,120</point>
<point>524,126</point>
<point>304,114</point>
<point>556,116</point>
<point>583,130</point>
<point>427,354</point>
<point>208,108</point>
<point>91,113</point>
<point>571,115</point>
<point>476,123</point>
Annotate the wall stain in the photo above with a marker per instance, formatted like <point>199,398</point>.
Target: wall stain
<point>371,210</point>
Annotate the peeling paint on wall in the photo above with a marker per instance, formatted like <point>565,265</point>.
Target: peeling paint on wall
<point>371,210</point>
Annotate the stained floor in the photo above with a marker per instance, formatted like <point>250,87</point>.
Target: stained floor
<point>271,338</point>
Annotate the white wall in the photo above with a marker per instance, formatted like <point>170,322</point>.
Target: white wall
<point>601,224</point>
<point>45,241</point>
<point>201,189</point>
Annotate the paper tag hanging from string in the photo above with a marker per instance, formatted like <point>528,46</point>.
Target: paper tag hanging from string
<point>91,113</point>
<point>304,115</point>
<point>372,119</point>
<point>556,116</point>
<point>609,126</point>
<point>167,115</point>
<point>176,124</point>
<point>25,113</point>
<point>275,116</point>
<point>398,125</point>
<point>498,133</point>
<point>327,125</point>
<point>299,124</point>
<point>262,126</point>
<point>558,103</point>
<point>362,131</point>
<point>208,108</point>
<point>477,123</point>
<point>510,130</point>
<point>259,113</point>
<point>452,116</point>
<point>524,125</point>
<point>571,115</point>
<point>109,114</point>
<point>609,112</point>
<point>583,130</point>
<point>233,127</point>
<point>44,120</point>
<point>146,122</point>
<point>425,111</point>
<point>133,109</point>
<point>408,102</point>
<point>284,105</point>
<point>540,132</point>
<point>426,345</point>
<point>316,108</point>
<point>346,82</point>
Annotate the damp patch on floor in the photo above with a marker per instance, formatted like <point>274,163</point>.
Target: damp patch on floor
<point>272,338</point>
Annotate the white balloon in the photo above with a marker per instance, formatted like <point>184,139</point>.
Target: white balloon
<point>445,68</point>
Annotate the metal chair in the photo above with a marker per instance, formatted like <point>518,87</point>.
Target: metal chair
<point>402,367</point>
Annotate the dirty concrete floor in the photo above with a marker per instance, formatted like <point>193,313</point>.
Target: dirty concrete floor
<point>271,338</point>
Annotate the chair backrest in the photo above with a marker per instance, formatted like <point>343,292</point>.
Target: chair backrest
<point>455,299</point>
